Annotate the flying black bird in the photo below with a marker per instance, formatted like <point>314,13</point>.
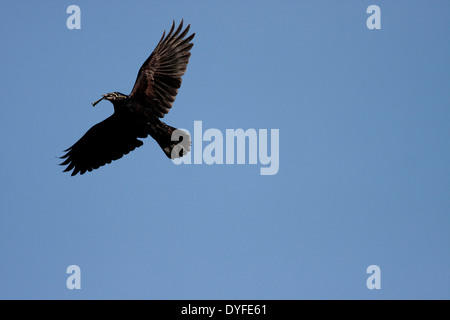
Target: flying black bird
<point>137,115</point>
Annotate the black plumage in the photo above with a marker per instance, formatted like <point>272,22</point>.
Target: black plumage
<point>138,114</point>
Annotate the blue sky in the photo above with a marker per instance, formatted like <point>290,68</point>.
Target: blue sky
<point>363,117</point>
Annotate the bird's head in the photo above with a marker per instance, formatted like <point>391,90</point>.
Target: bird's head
<point>113,96</point>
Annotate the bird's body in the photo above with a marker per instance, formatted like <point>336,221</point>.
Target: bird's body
<point>138,114</point>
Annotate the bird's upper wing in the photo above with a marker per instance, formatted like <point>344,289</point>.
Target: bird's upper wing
<point>159,77</point>
<point>106,141</point>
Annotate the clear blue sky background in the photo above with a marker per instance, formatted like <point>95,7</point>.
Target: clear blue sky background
<point>364,153</point>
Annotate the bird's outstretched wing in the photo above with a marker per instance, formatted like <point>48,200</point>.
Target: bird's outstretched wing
<point>106,141</point>
<point>159,77</point>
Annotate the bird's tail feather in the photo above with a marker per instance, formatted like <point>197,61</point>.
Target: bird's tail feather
<point>174,142</point>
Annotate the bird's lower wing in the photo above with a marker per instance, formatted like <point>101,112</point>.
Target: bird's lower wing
<point>106,141</point>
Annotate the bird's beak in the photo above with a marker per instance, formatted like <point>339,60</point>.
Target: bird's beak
<point>94,103</point>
